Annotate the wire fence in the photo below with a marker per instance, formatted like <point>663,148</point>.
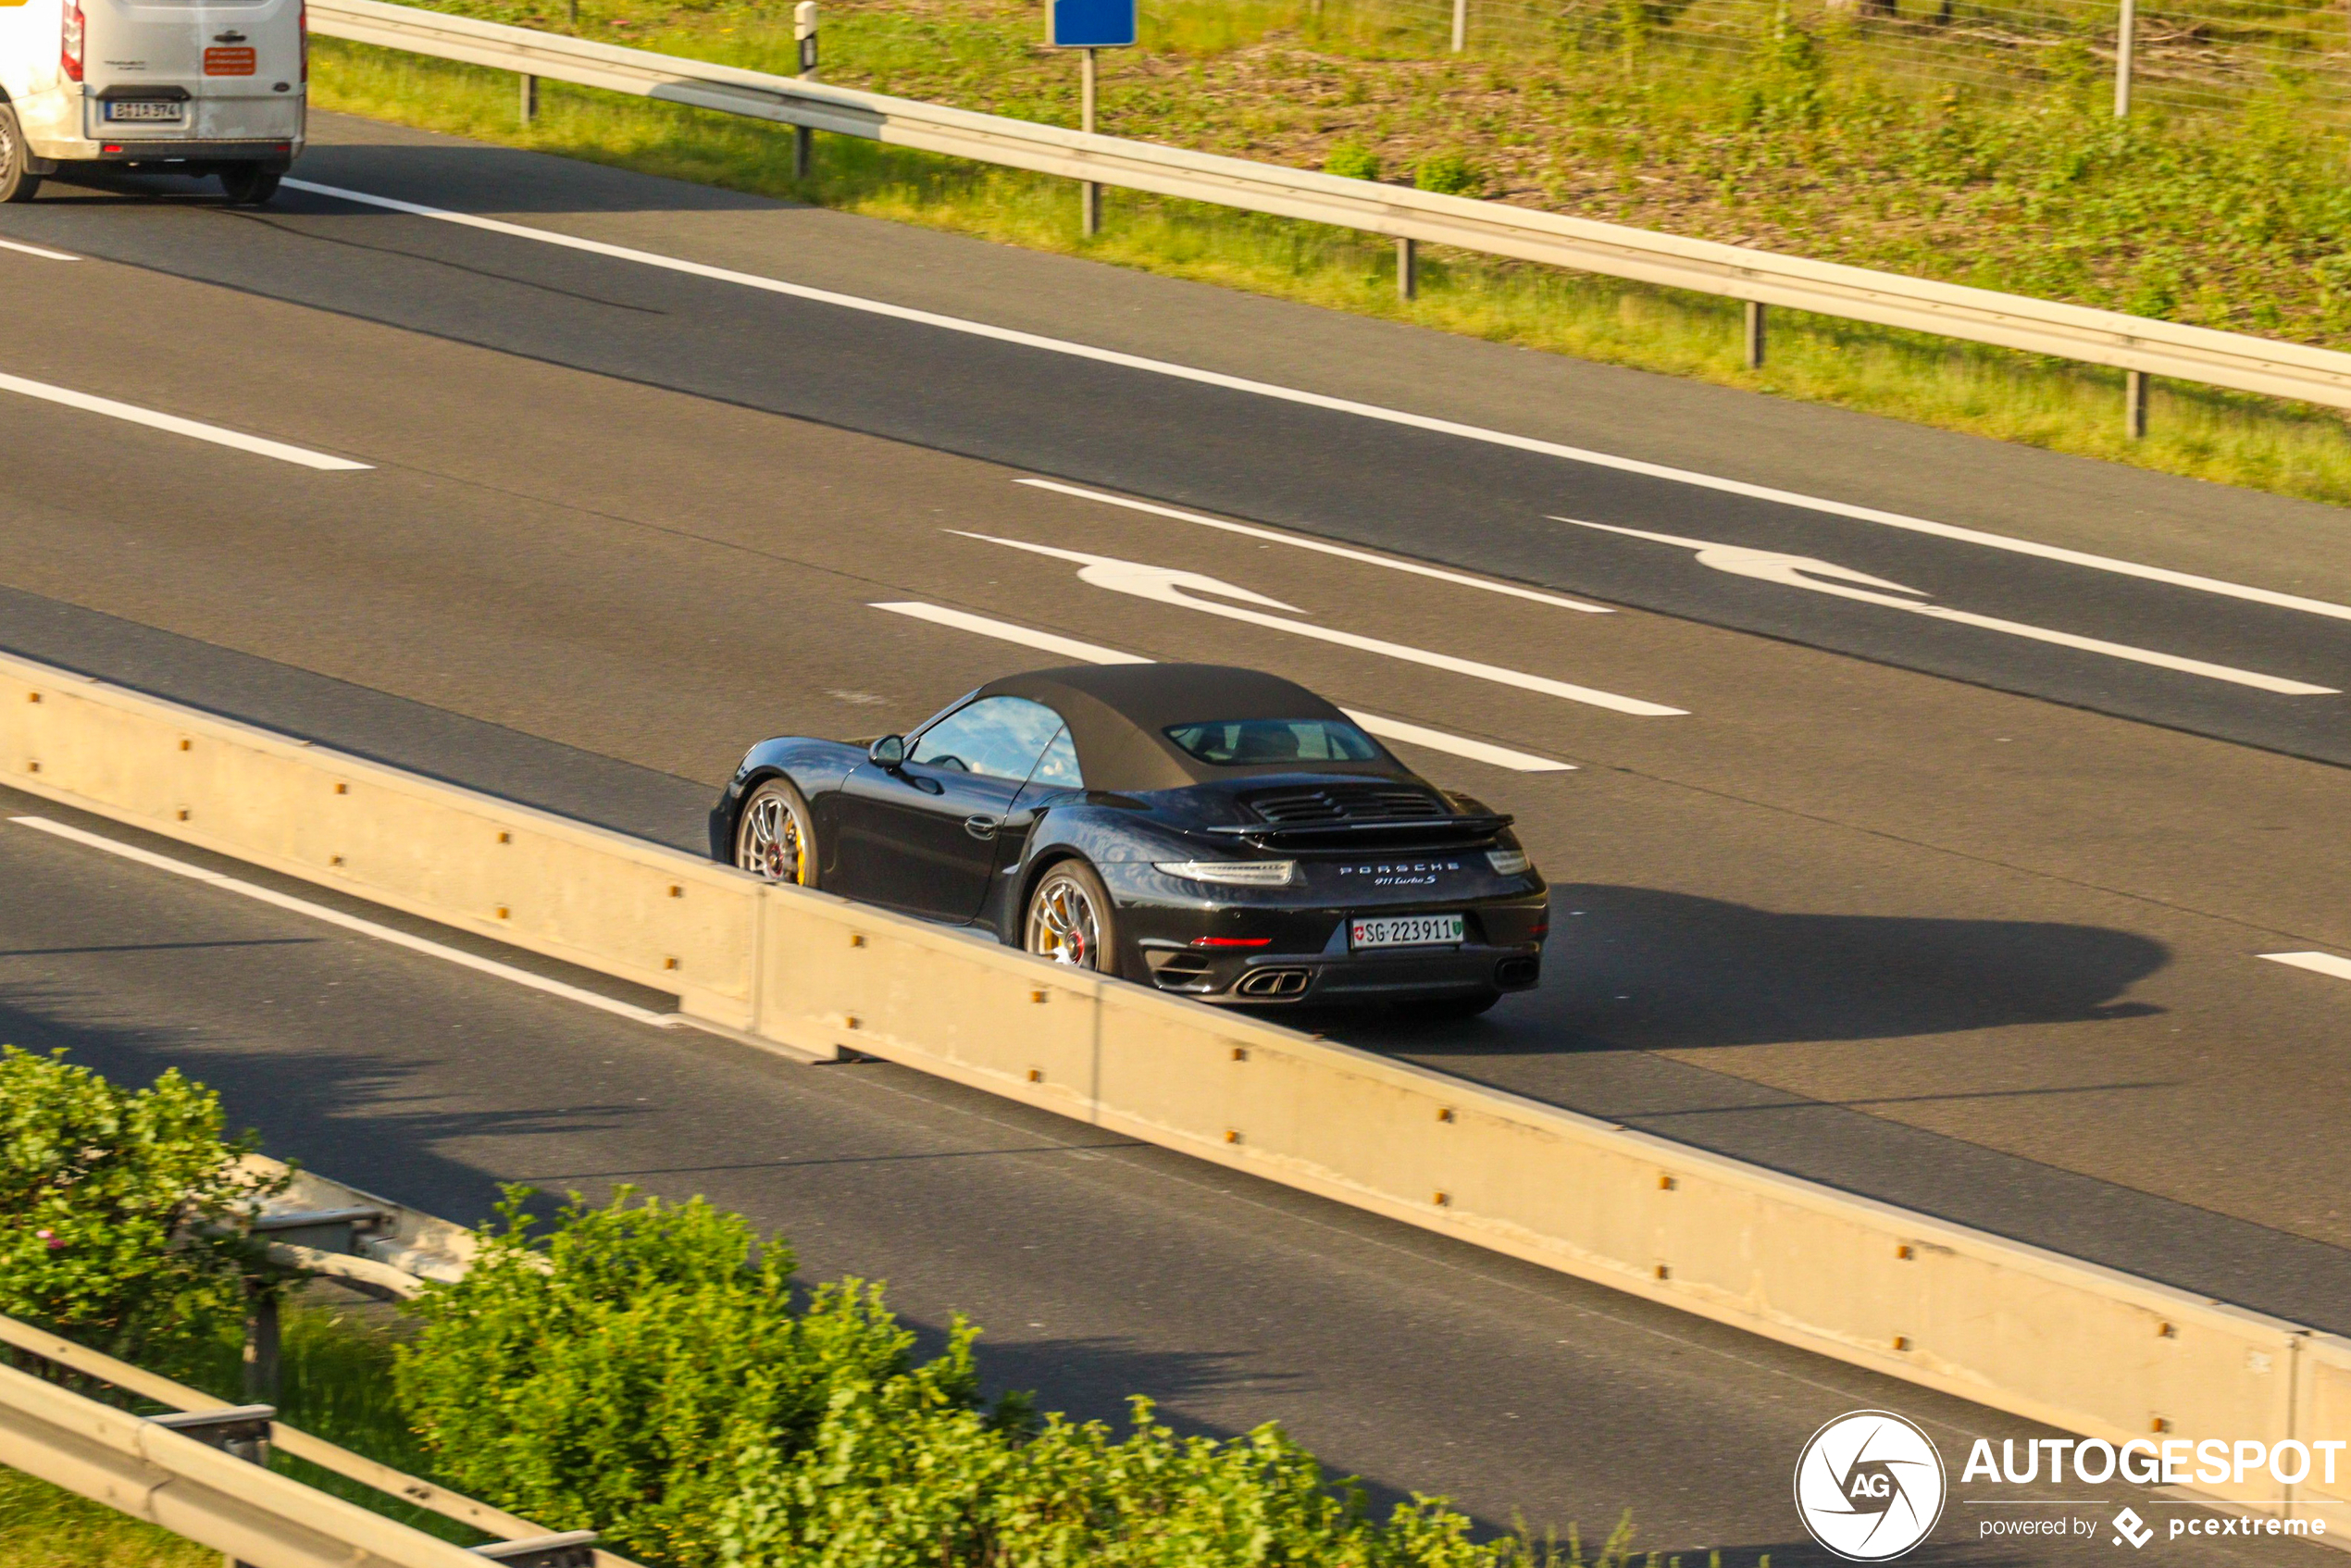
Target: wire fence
<point>2221,56</point>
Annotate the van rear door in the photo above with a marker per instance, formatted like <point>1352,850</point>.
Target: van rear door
<point>169,70</point>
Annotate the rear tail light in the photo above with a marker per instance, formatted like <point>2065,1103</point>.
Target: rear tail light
<point>69,37</point>
<point>303,15</point>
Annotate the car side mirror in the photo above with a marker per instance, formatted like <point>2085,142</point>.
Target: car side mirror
<point>889,751</point>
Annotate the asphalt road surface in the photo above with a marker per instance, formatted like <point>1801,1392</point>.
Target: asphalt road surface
<point>1098,1267</point>
<point>1973,922</point>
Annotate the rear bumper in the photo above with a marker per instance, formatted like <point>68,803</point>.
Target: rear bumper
<point>58,124</point>
<point>1302,955</point>
<point>155,150</point>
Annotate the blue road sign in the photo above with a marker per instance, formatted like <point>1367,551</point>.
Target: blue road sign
<point>1092,24</point>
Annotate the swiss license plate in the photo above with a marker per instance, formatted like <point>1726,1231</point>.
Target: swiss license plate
<point>147,110</point>
<point>1405,930</point>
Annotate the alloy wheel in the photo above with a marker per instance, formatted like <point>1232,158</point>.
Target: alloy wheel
<point>1063,923</point>
<point>771,843</point>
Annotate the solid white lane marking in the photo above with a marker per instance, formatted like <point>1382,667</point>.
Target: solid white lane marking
<point>176,425</point>
<point>1094,654</point>
<point>352,923</point>
<point>2317,963</point>
<point>1348,405</point>
<point>1803,571</point>
<point>1168,585</point>
<point>1459,746</point>
<point>36,250</point>
<point>1005,632</point>
<point>1319,547</point>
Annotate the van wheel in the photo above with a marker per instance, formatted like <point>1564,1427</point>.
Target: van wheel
<point>18,183</point>
<point>249,184</point>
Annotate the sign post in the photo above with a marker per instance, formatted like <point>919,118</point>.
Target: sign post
<point>1085,26</point>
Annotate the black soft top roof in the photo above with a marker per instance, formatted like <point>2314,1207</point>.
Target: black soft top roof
<point>1118,715</point>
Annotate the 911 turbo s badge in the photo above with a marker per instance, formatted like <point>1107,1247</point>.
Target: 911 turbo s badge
<point>1402,873</point>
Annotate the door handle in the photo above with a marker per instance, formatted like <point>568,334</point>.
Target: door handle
<point>982,827</point>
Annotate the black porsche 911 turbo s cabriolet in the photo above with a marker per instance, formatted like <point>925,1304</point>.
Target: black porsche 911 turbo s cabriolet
<point>1218,832</point>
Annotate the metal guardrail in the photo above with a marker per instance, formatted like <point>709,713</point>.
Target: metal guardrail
<point>258,1518</point>
<point>2135,344</point>
<point>197,1473</point>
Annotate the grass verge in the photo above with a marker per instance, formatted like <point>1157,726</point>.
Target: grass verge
<point>2199,433</point>
<point>43,1526</point>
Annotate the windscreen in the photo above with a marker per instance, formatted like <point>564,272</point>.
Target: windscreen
<point>1248,742</point>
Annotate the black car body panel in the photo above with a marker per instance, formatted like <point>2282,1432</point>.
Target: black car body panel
<point>1369,840</point>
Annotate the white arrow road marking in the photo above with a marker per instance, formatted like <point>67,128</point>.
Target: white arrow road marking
<point>176,425</point>
<point>1803,571</point>
<point>36,250</point>
<point>1168,585</point>
<point>1339,405</point>
<point>1415,567</point>
<point>1070,648</point>
<point>2317,963</point>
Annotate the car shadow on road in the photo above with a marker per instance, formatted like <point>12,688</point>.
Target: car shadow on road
<point>1643,969</point>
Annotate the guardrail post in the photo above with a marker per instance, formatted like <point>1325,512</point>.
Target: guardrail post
<point>1461,25</point>
<point>530,97</point>
<point>1408,270</point>
<point>2134,403</point>
<point>1090,198</point>
<point>2125,33</point>
<point>240,1432</point>
<point>262,1342</point>
<point>1754,334</point>
<point>803,32</point>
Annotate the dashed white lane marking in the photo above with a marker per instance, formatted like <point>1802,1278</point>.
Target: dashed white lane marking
<point>1093,653</point>
<point>36,250</point>
<point>1459,746</point>
<point>176,425</point>
<point>1319,547</point>
<point>1348,405</point>
<point>1170,585</point>
<point>1804,571</point>
<point>352,923</point>
<point>2317,963</point>
<point>1005,632</point>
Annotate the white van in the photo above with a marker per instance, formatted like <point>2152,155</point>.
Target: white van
<point>168,86</point>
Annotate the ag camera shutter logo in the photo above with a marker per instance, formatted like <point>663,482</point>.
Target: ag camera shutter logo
<point>1869,1486</point>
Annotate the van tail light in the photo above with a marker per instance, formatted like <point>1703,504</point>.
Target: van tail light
<point>69,36</point>
<point>302,12</point>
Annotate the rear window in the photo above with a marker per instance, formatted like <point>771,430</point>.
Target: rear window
<point>1253,741</point>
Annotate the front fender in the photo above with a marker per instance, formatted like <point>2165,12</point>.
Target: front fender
<point>815,769</point>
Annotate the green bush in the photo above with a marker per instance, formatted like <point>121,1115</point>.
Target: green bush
<point>652,1375</point>
<point>605,1383</point>
<point>119,1208</point>
<point>1352,161</point>
<point>898,1479</point>
<point>1449,174</point>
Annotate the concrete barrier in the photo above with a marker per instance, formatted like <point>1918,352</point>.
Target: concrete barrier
<point>636,910</point>
<point>2322,1409</point>
<point>2045,1336</point>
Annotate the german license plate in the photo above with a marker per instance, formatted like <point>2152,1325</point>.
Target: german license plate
<point>1405,930</point>
<point>146,110</point>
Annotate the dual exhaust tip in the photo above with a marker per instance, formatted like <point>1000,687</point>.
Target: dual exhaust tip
<point>1275,983</point>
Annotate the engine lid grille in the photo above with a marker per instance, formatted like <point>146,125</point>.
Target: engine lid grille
<point>1322,805</point>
